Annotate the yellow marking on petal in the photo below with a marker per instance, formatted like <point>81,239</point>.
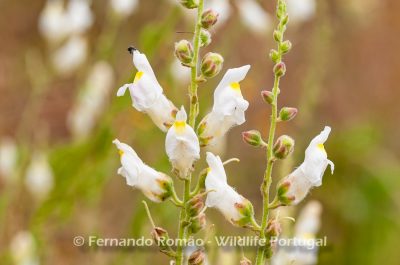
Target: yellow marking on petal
<point>235,86</point>
<point>120,152</point>
<point>208,170</point>
<point>308,236</point>
<point>179,126</point>
<point>321,147</point>
<point>138,76</point>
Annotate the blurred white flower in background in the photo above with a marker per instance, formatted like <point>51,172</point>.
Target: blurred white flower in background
<point>91,100</point>
<point>39,179</point>
<point>124,8</point>
<point>179,73</point>
<point>71,55</point>
<point>306,229</point>
<point>8,159</point>
<point>23,249</point>
<point>301,10</point>
<point>56,21</point>
<point>254,17</point>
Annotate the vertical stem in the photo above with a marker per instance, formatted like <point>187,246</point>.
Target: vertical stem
<point>194,106</point>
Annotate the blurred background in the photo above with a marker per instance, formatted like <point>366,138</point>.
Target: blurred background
<point>61,63</point>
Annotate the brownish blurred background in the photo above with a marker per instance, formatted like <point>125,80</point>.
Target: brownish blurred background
<point>343,71</point>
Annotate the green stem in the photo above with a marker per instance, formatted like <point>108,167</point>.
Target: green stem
<point>194,106</point>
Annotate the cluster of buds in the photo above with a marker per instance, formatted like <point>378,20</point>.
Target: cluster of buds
<point>195,209</point>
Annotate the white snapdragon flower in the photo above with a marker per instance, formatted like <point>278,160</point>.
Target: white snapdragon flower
<point>182,145</point>
<point>56,21</point>
<point>8,158</point>
<point>71,55</point>
<point>301,10</point>
<point>79,17</point>
<point>305,251</point>
<point>253,16</point>
<point>52,21</point>
<point>124,8</point>
<point>39,178</point>
<point>228,109</point>
<point>297,184</point>
<point>23,249</point>
<point>147,94</point>
<point>91,100</point>
<point>236,209</point>
<point>155,185</point>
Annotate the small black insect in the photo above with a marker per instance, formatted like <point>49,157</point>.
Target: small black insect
<point>131,49</point>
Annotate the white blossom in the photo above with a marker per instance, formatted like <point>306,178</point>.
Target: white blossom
<point>147,94</point>
<point>124,8</point>
<point>155,185</point>
<point>8,158</point>
<point>39,178</point>
<point>91,100</point>
<point>253,16</point>
<point>23,249</point>
<point>309,173</point>
<point>301,10</point>
<point>228,109</point>
<point>182,145</point>
<point>56,22</point>
<point>71,55</point>
<point>231,204</point>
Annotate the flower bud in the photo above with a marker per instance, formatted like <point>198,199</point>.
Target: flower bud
<point>283,147</point>
<point>197,223</point>
<point>160,237</point>
<point>286,46</point>
<point>274,55</point>
<point>189,3</point>
<point>253,137</point>
<point>205,37</point>
<point>282,191</point>
<point>286,113</point>
<point>209,18</point>
<point>197,258</point>
<point>274,228</point>
<point>280,69</point>
<point>245,261</point>
<point>211,64</point>
<point>267,96</point>
<point>277,35</point>
<point>195,205</point>
<point>184,51</point>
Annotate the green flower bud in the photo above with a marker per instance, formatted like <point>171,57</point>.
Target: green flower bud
<point>197,258</point>
<point>209,18</point>
<point>253,137</point>
<point>184,51</point>
<point>205,37</point>
<point>197,223</point>
<point>282,190</point>
<point>267,96</point>
<point>195,205</point>
<point>274,228</point>
<point>286,113</point>
<point>274,55</point>
<point>283,147</point>
<point>160,237</point>
<point>211,64</point>
<point>280,69</point>
<point>277,35</point>
<point>189,3</point>
<point>286,46</point>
